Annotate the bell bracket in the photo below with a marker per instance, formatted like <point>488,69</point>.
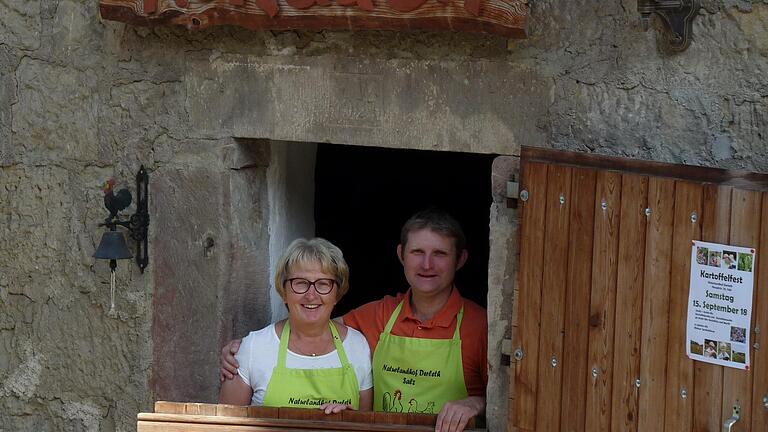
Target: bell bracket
<point>138,223</point>
<point>676,17</point>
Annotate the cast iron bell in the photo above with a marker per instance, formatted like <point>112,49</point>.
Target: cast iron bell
<point>112,247</point>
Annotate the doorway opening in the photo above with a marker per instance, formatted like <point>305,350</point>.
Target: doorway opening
<point>363,195</point>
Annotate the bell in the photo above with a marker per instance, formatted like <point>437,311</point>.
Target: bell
<point>112,247</point>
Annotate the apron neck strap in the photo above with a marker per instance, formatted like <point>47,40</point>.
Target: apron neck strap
<point>337,344</point>
<point>399,308</point>
<point>286,333</point>
<point>459,318</point>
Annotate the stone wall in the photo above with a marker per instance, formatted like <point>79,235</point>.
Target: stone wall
<point>82,100</point>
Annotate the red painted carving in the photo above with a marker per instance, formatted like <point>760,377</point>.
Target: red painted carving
<point>268,6</point>
<point>301,4</point>
<point>472,6</point>
<point>150,6</point>
<point>362,4</point>
<point>502,17</point>
<point>406,5</point>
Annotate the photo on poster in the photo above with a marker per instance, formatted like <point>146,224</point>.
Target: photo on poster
<point>739,356</point>
<point>720,304</point>
<point>714,258</point>
<point>745,262</point>
<point>738,334</point>
<point>702,255</point>
<point>729,259</point>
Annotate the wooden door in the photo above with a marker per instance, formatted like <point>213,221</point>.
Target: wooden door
<point>599,328</point>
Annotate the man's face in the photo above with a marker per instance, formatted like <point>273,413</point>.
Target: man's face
<point>429,261</point>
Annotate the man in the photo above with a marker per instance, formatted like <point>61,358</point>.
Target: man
<point>429,345</point>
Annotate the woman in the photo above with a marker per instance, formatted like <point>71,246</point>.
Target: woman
<point>308,360</point>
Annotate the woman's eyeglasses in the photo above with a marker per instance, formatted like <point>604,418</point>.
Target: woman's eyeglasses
<point>301,285</point>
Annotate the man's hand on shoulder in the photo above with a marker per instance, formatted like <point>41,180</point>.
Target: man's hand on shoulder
<point>455,415</point>
<point>228,362</point>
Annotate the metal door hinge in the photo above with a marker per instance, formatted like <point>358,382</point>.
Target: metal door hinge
<point>513,190</point>
<point>506,346</point>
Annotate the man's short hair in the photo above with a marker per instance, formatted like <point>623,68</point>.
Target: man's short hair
<point>302,252</point>
<point>438,221</point>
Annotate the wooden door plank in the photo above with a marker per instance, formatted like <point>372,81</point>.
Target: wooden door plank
<point>745,231</point>
<point>577,301</point>
<point>707,377</point>
<point>653,346</point>
<point>526,335</point>
<point>680,390</point>
<point>603,300</point>
<point>557,223</point>
<point>629,296</point>
<point>760,321</point>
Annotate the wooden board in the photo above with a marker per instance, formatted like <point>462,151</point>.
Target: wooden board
<point>556,231</point>
<point>577,300</point>
<point>629,297</point>
<point>186,422</point>
<point>687,227</point>
<point>707,377</point>
<point>534,180</point>
<point>153,426</point>
<point>718,176</point>
<point>745,231</point>
<point>282,418</point>
<point>653,345</point>
<point>603,300</point>
<point>505,18</point>
<point>760,322</point>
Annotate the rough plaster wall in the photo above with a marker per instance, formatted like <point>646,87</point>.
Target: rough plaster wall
<point>64,363</point>
<point>291,178</point>
<point>82,100</point>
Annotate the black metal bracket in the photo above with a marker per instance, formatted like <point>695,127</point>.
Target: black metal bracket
<point>140,219</point>
<point>676,16</point>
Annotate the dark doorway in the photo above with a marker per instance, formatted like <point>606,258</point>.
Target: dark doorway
<point>363,195</point>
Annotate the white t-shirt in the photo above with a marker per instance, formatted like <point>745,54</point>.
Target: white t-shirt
<point>257,357</point>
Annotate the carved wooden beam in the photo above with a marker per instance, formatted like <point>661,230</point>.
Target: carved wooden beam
<point>500,17</point>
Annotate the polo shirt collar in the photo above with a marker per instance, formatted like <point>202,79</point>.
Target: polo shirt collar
<point>443,318</point>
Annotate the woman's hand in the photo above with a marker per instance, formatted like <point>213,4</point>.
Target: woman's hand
<point>228,362</point>
<point>334,408</point>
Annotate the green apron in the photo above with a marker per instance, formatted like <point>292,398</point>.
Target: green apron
<point>417,375</point>
<point>310,388</point>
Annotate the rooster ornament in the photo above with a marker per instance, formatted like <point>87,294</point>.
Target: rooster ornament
<point>115,202</point>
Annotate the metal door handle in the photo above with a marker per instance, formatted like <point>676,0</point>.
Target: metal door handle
<point>728,425</point>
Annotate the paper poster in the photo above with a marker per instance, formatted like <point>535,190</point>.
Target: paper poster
<point>720,304</point>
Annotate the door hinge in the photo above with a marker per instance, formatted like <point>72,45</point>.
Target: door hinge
<point>513,190</point>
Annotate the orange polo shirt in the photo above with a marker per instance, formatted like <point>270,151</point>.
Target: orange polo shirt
<point>371,318</point>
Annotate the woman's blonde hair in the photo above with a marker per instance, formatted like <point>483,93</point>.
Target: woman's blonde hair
<point>302,252</point>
